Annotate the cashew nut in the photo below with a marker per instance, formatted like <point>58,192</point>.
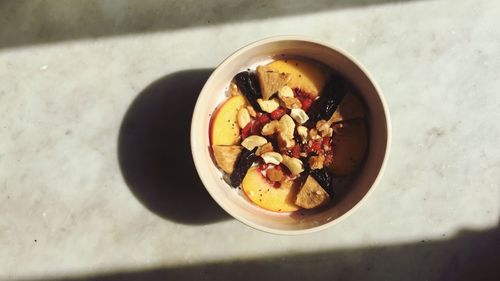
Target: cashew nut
<point>286,129</point>
<point>254,141</point>
<point>302,132</point>
<point>299,115</point>
<point>293,164</point>
<point>291,102</point>
<point>268,147</point>
<point>268,105</point>
<point>270,128</point>
<point>272,158</point>
<point>285,92</point>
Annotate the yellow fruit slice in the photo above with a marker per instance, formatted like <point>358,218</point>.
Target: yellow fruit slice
<point>265,195</point>
<point>306,76</point>
<point>226,156</point>
<point>224,126</point>
<point>349,143</point>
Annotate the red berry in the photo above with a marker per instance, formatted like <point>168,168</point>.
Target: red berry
<point>314,147</point>
<point>306,103</point>
<point>276,114</point>
<point>325,141</point>
<point>264,119</point>
<point>263,166</point>
<point>256,128</point>
<point>296,151</point>
<point>246,131</point>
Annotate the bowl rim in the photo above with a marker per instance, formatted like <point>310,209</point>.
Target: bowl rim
<point>198,163</point>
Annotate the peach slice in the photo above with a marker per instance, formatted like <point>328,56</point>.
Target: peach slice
<point>350,142</point>
<point>224,129</point>
<point>265,195</point>
<point>304,75</point>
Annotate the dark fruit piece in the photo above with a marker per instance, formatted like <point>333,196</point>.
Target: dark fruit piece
<point>245,161</point>
<point>249,85</point>
<point>324,178</point>
<point>327,103</point>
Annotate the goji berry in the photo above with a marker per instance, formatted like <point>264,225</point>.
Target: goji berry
<point>296,151</point>
<point>306,103</point>
<point>246,131</point>
<point>276,114</point>
<point>264,119</point>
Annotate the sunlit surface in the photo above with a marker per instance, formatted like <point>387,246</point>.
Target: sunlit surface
<point>96,176</point>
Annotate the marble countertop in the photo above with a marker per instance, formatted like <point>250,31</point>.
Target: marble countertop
<point>93,185</point>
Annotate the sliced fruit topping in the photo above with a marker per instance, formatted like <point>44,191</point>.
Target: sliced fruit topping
<point>324,178</point>
<point>224,126</point>
<point>264,194</point>
<point>307,76</point>
<point>349,142</point>
<point>226,156</point>
<point>271,80</point>
<point>244,162</point>
<point>249,85</point>
<point>327,103</point>
<point>351,107</point>
<point>311,195</point>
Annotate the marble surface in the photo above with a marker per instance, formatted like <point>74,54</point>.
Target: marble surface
<point>92,183</point>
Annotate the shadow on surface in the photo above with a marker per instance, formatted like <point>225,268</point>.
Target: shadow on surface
<point>27,22</point>
<point>154,150</point>
<point>468,256</point>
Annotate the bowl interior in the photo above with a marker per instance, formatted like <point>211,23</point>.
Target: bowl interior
<point>232,200</point>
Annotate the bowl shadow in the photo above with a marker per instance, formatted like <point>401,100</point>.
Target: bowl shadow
<point>154,150</point>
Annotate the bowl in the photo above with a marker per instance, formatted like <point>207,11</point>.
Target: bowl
<point>232,200</point>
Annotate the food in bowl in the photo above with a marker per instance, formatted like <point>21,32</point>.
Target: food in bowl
<point>287,130</point>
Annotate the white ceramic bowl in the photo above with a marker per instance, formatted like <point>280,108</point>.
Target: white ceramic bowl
<point>214,92</point>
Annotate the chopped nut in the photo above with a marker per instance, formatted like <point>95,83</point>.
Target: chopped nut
<point>313,134</point>
<point>251,111</point>
<point>272,158</point>
<point>243,117</point>
<point>270,128</point>
<point>324,129</point>
<point>284,142</point>
<point>302,132</point>
<point>286,129</point>
<point>299,115</point>
<point>268,105</point>
<point>271,80</point>
<point>274,174</point>
<point>290,102</point>
<point>316,162</point>
<point>293,164</point>
<point>285,92</point>
<point>268,147</point>
<point>252,142</point>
